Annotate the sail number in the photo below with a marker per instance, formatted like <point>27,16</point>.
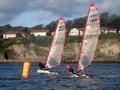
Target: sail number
<point>61,28</point>
<point>92,35</point>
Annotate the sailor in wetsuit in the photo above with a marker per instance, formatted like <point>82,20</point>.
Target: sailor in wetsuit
<point>70,69</point>
<point>79,73</point>
<point>41,66</point>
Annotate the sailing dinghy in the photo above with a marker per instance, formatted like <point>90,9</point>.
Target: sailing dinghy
<point>90,38</point>
<point>56,50</point>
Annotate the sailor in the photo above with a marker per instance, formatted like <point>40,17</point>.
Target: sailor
<point>41,66</point>
<point>70,69</point>
<point>81,73</point>
<point>43,69</point>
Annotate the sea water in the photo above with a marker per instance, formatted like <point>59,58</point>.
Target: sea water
<point>102,77</point>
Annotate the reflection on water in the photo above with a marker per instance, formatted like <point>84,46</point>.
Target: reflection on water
<point>102,77</point>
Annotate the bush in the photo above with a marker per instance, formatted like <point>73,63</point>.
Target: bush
<point>72,39</point>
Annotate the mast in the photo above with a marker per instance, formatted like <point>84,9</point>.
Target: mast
<point>90,37</point>
<point>56,49</point>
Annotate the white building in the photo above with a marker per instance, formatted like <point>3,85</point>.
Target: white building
<point>108,30</point>
<point>104,30</point>
<point>39,32</point>
<point>74,32</point>
<point>9,35</point>
<point>81,31</point>
<point>113,31</point>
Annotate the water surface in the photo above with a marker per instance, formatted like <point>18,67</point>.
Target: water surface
<point>102,77</point>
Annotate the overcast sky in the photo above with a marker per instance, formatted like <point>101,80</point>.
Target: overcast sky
<point>34,12</point>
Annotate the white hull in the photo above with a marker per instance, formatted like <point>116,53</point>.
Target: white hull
<point>74,75</point>
<point>45,72</point>
<point>82,76</point>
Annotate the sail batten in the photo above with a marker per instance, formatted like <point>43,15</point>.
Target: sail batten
<point>56,49</point>
<point>90,37</point>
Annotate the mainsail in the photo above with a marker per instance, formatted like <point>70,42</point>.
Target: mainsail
<point>90,37</point>
<point>56,50</point>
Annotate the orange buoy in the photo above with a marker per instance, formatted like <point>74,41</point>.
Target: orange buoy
<point>26,70</point>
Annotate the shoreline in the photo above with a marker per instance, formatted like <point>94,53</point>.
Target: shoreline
<point>93,62</point>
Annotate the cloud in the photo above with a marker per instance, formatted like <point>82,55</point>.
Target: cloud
<point>42,15</point>
<point>32,18</point>
<point>112,6</point>
<point>43,9</point>
<point>66,8</point>
<point>9,9</point>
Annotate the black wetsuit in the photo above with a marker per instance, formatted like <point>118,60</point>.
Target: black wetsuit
<point>71,70</point>
<point>42,66</point>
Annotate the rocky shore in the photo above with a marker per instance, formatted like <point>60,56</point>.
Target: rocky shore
<point>107,51</point>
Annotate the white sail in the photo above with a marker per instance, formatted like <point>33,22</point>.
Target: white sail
<point>90,37</point>
<point>56,50</point>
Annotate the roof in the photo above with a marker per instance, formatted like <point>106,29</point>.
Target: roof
<point>104,27</point>
<point>10,32</point>
<point>112,29</point>
<point>80,29</point>
<point>42,30</point>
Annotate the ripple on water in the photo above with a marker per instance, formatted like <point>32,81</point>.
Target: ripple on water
<point>104,77</point>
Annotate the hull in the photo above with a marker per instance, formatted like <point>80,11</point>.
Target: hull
<point>46,72</point>
<point>74,75</point>
<point>43,71</point>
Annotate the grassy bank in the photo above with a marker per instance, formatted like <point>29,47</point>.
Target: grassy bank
<point>36,49</point>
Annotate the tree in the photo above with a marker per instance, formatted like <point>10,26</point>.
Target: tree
<point>41,26</point>
<point>69,24</point>
<point>52,25</point>
<point>78,22</point>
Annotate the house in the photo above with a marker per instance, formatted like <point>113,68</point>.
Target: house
<point>81,31</point>
<point>119,31</point>
<point>20,34</point>
<point>104,29</point>
<point>112,31</point>
<point>38,32</point>
<point>9,34</point>
<point>108,30</point>
<point>76,32</point>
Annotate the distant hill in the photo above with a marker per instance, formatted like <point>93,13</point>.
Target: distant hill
<point>107,20</point>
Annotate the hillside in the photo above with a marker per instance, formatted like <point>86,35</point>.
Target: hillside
<point>36,48</point>
<point>106,19</point>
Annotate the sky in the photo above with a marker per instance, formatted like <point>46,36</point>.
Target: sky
<point>34,12</point>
